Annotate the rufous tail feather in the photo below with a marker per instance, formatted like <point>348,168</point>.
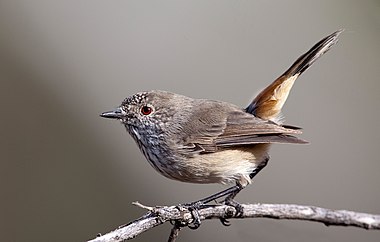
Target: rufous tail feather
<point>269,102</point>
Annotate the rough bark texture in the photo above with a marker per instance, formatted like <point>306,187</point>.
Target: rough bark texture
<point>180,217</point>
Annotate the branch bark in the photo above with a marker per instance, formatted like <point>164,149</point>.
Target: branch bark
<point>160,215</point>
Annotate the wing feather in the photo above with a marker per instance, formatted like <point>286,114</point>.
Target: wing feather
<point>245,129</point>
<point>210,131</point>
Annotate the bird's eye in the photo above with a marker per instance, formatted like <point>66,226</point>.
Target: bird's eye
<point>146,110</point>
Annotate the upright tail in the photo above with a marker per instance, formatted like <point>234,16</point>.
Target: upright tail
<point>267,105</point>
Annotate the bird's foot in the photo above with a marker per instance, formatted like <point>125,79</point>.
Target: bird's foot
<point>238,207</point>
<point>193,209</point>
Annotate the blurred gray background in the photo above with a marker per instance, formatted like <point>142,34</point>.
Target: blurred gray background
<point>66,174</point>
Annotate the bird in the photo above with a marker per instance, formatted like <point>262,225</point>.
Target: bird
<point>209,141</point>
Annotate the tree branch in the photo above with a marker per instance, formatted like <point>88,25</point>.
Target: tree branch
<point>159,215</point>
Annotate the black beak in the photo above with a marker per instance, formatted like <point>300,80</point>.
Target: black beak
<point>118,113</point>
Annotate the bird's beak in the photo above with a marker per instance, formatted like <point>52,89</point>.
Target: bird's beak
<point>118,113</point>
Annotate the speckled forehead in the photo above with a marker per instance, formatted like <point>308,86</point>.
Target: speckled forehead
<point>136,99</point>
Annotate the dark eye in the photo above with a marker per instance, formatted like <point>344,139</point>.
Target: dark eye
<point>146,110</point>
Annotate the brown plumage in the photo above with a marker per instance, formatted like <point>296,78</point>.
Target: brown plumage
<point>206,141</point>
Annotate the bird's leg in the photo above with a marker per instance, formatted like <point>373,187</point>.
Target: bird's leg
<point>193,207</point>
<point>232,190</point>
<point>229,200</point>
<point>259,167</point>
<point>229,193</point>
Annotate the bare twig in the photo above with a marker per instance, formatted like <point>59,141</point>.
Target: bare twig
<point>160,215</point>
<point>174,232</point>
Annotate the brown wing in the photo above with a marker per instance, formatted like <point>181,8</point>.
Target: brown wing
<point>245,129</point>
<point>210,130</point>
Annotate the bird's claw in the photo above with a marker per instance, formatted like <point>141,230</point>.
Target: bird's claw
<point>193,208</point>
<point>196,219</point>
<point>225,222</point>
<point>238,207</point>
